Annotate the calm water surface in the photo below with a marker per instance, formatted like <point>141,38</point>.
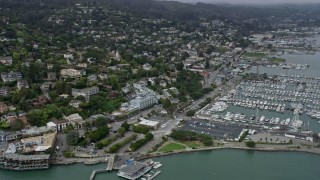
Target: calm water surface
<point>211,165</point>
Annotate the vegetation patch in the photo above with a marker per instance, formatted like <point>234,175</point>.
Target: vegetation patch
<point>136,145</point>
<point>192,136</point>
<point>114,148</point>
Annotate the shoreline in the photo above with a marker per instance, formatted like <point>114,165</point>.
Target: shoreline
<point>226,148</point>
<point>93,161</point>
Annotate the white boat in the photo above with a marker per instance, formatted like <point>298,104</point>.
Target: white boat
<point>157,165</point>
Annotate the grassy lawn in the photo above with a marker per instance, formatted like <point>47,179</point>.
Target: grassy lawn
<point>275,59</point>
<point>171,147</point>
<point>255,54</point>
<point>192,144</point>
<point>260,55</point>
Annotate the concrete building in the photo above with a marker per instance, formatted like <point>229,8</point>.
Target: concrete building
<point>73,73</point>
<point>39,143</point>
<point>150,124</point>
<point>24,162</point>
<point>58,125</point>
<point>86,92</point>
<point>143,102</point>
<point>76,120</point>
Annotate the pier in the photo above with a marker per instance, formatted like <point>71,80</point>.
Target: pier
<point>110,162</point>
<point>109,167</point>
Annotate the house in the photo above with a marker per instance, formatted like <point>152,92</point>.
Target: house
<point>76,120</point>
<point>82,65</point>
<point>39,101</point>
<point>46,86</point>
<point>4,91</point>
<point>152,81</point>
<point>6,60</point>
<point>86,92</point>
<point>68,56</point>
<point>3,107</point>
<point>92,78</point>
<point>103,76</point>
<point>75,103</point>
<point>11,76</point>
<point>64,96</point>
<point>147,67</point>
<point>49,66</point>
<point>73,73</point>
<point>163,83</point>
<point>51,76</point>
<point>22,84</point>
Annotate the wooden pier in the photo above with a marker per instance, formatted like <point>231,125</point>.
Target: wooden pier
<point>109,167</point>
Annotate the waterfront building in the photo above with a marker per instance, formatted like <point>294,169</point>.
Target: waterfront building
<point>133,170</point>
<point>24,162</point>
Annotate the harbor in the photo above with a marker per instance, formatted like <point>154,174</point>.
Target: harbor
<point>131,169</point>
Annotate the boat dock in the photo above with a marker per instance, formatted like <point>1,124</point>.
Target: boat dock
<point>94,172</point>
<point>154,175</point>
<point>109,167</point>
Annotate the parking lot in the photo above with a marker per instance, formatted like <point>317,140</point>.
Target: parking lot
<point>216,130</point>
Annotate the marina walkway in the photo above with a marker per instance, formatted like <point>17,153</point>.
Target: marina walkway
<point>109,167</point>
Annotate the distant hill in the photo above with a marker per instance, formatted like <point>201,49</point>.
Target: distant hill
<point>186,11</point>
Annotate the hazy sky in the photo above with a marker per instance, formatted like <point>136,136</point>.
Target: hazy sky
<point>253,1</point>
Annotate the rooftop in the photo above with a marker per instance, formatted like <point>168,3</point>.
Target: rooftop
<point>26,157</point>
<point>133,168</point>
<point>148,122</point>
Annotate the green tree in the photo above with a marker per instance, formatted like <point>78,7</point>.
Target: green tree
<point>17,125</point>
<point>16,56</point>
<point>121,131</point>
<point>191,112</point>
<point>125,125</point>
<point>37,117</point>
<point>100,122</point>
<point>251,144</point>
